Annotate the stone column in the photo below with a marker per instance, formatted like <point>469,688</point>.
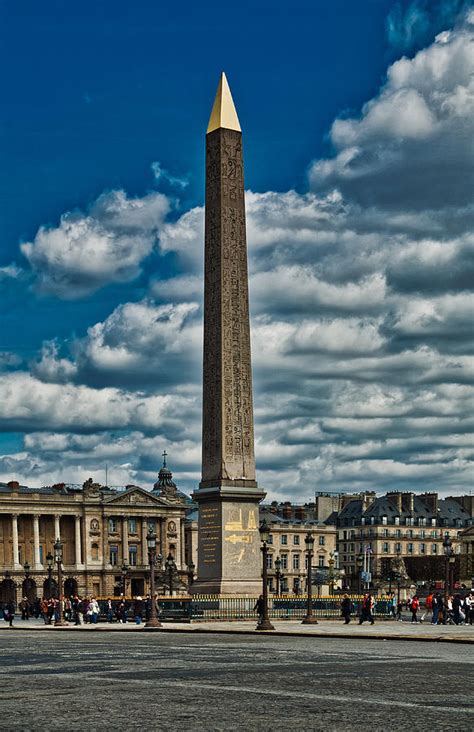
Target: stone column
<point>57,527</point>
<point>37,559</point>
<point>16,553</point>
<point>181,534</point>
<point>144,542</point>
<point>125,539</point>
<point>77,538</point>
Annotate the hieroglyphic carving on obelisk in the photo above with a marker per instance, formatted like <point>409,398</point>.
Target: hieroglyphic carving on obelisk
<point>227,435</point>
<point>228,495</point>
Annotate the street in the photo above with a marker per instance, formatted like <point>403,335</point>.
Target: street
<point>109,681</point>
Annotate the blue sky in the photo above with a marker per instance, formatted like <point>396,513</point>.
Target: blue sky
<point>353,179</point>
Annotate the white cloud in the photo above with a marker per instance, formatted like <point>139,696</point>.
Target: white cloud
<point>86,252</point>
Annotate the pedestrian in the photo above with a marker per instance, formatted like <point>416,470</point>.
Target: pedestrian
<point>9,613</point>
<point>121,612</point>
<point>458,615</point>
<point>368,604</point>
<point>428,606</point>
<point>25,608</point>
<point>399,610</point>
<point>346,609</point>
<point>435,608</point>
<point>138,610</point>
<point>260,608</point>
<point>110,611</point>
<point>414,607</point>
<point>93,611</point>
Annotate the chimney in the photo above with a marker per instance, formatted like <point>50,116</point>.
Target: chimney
<point>368,497</point>
<point>287,511</point>
<point>300,513</point>
<point>431,501</point>
<point>396,499</point>
<point>408,502</point>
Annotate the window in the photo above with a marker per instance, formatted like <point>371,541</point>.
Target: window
<point>321,561</point>
<point>132,556</point>
<point>397,520</point>
<point>296,561</point>
<point>434,548</point>
<point>296,539</point>
<point>132,526</point>
<point>95,552</point>
<point>344,534</point>
<point>398,534</point>
<point>269,561</point>
<point>41,554</point>
<point>151,525</point>
<point>112,525</point>
<point>422,534</point>
<point>284,561</point>
<point>384,520</point>
<point>372,520</point>
<point>113,555</point>
<point>434,534</point>
<point>410,548</point>
<point>398,548</point>
<point>284,539</point>
<point>351,548</point>
<point>422,548</point>
<point>410,534</point>
<point>433,522</point>
<point>322,540</point>
<point>270,539</point>
<point>385,532</point>
<point>19,555</point>
<point>386,547</point>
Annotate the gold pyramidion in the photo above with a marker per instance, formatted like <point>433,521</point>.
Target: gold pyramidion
<point>223,111</point>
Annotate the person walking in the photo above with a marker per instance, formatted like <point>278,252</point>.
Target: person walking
<point>138,610</point>
<point>435,609</point>
<point>259,607</point>
<point>25,608</point>
<point>414,607</point>
<point>428,607</point>
<point>367,607</point>
<point>346,609</point>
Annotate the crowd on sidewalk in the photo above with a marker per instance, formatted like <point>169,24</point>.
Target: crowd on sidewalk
<point>80,611</point>
<point>458,610</point>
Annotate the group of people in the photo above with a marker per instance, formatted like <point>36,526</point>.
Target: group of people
<point>79,610</point>
<point>459,609</point>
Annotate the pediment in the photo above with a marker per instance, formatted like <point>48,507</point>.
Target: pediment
<point>136,496</point>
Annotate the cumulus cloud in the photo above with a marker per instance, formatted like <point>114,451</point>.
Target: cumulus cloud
<point>87,251</point>
<point>419,129</point>
<point>360,291</point>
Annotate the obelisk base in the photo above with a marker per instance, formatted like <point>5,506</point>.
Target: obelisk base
<point>229,557</point>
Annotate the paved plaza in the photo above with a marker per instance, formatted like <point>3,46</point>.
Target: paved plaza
<point>192,681</point>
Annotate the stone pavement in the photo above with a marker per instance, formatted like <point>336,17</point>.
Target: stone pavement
<point>97,681</point>
<point>384,630</point>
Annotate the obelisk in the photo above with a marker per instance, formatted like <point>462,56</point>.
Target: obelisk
<point>228,496</point>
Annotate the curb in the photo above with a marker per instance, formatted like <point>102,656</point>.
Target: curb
<point>274,633</point>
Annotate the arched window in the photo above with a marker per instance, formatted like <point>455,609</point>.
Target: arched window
<point>95,552</point>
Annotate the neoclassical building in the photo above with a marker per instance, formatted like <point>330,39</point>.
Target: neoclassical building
<point>103,532</point>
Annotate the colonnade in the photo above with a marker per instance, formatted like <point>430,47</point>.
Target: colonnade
<point>37,564</point>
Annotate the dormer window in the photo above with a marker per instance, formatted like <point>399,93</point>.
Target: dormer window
<point>397,520</point>
<point>384,520</point>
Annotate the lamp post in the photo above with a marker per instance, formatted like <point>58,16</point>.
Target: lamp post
<point>49,567</point>
<point>170,566</point>
<point>58,558</point>
<point>278,575</point>
<point>309,618</point>
<point>448,553</point>
<point>331,573</point>
<point>191,571</point>
<point>153,622</point>
<point>360,564</point>
<point>264,621</point>
<point>124,572</point>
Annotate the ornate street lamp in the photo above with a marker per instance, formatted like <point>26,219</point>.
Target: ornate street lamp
<point>360,564</point>
<point>278,575</point>
<point>450,560</point>
<point>58,558</point>
<point>170,567</point>
<point>264,621</point>
<point>309,618</point>
<point>191,571</point>
<point>124,572</point>
<point>331,573</point>
<point>153,622</point>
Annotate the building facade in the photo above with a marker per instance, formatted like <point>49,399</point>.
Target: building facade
<point>374,532</point>
<point>103,532</point>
